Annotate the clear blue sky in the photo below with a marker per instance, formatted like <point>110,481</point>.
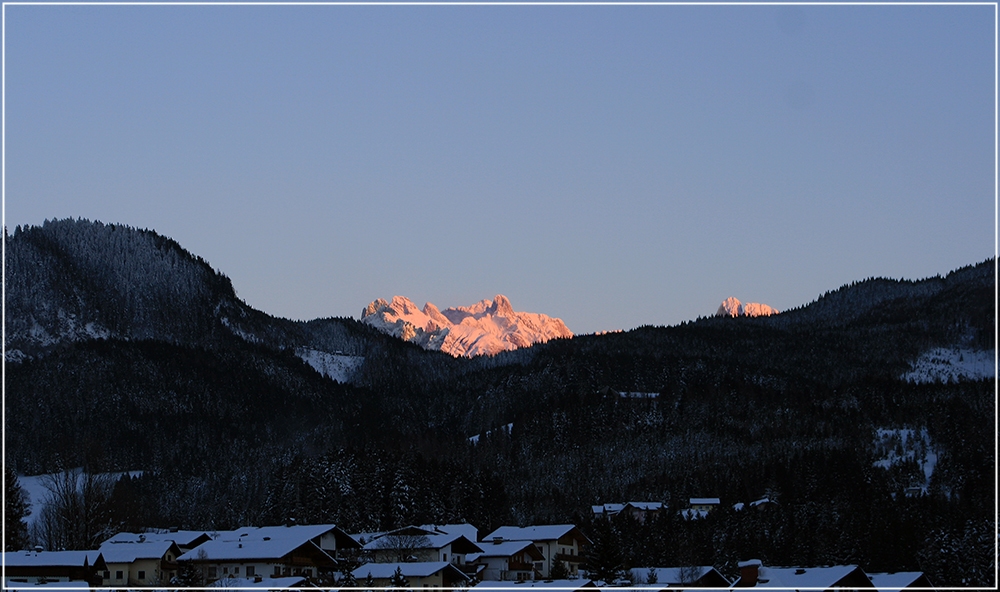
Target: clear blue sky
<point>612,166</point>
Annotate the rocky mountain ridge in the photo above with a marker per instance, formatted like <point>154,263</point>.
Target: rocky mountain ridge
<point>485,328</point>
<point>731,307</point>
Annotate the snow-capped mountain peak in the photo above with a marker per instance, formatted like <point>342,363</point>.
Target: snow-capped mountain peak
<point>731,307</point>
<point>486,327</point>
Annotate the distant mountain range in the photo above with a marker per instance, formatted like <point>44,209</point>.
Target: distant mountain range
<point>487,327</point>
<point>731,307</point>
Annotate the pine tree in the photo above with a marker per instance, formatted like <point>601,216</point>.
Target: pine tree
<point>398,580</point>
<point>15,511</point>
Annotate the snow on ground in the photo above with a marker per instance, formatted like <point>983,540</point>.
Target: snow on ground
<point>38,493</point>
<point>339,367</point>
<point>950,364</point>
<point>897,445</point>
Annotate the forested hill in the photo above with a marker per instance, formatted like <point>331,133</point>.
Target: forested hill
<point>125,352</point>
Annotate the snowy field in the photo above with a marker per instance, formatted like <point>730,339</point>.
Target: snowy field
<point>951,364</point>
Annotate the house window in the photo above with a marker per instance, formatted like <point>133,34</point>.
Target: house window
<point>212,571</point>
<point>225,570</point>
<point>142,574</point>
<point>277,570</point>
<point>106,575</point>
<point>119,575</point>
<point>250,571</point>
<point>236,570</point>
<point>444,557</point>
<point>307,573</point>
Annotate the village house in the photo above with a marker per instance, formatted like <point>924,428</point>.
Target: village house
<point>68,568</point>
<point>413,543</point>
<point>138,563</point>
<point>308,551</point>
<point>640,511</point>
<point>754,573</point>
<point>422,574</point>
<point>697,576</point>
<point>507,561</point>
<point>556,542</point>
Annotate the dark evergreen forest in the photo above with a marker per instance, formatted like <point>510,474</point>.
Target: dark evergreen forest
<point>126,352</point>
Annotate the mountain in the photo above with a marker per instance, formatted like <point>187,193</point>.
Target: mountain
<point>127,353</point>
<point>731,307</point>
<point>485,328</point>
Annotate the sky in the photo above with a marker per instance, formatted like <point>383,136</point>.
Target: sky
<point>613,166</point>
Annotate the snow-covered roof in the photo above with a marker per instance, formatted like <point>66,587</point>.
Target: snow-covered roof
<point>421,541</point>
<point>470,531</point>
<point>127,552</point>
<point>705,501</point>
<point>803,577</point>
<point>607,508</point>
<point>49,558</point>
<point>672,576</point>
<point>248,547</point>
<point>648,506</point>
<point>181,537</point>
<point>504,549</point>
<point>546,532</point>
<point>420,569</point>
<point>892,582</point>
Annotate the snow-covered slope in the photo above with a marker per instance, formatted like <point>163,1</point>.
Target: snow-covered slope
<point>339,367</point>
<point>487,327</point>
<point>947,365</point>
<point>731,307</point>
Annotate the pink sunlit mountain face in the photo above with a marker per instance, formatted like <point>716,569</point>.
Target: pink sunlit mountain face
<point>487,327</point>
<point>731,307</point>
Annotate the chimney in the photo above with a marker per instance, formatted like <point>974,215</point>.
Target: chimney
<point>749,572</point>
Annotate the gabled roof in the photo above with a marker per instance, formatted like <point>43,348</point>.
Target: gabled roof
<point>248,547</point>
<point>470,531</point>
<point>297,532</point>
<point>267,542</point>
<point>676,576</point>
<point>50,558</point>
<point>458,541</point>
<point>505,549</point>
<point>183,538</point>
<point>647,506</point>
<point>809,577</point>
<point>547,532</point>
<point>889,582</point>
<point>127,552</point>
<point>607,508</point>
<point>420,569</point>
